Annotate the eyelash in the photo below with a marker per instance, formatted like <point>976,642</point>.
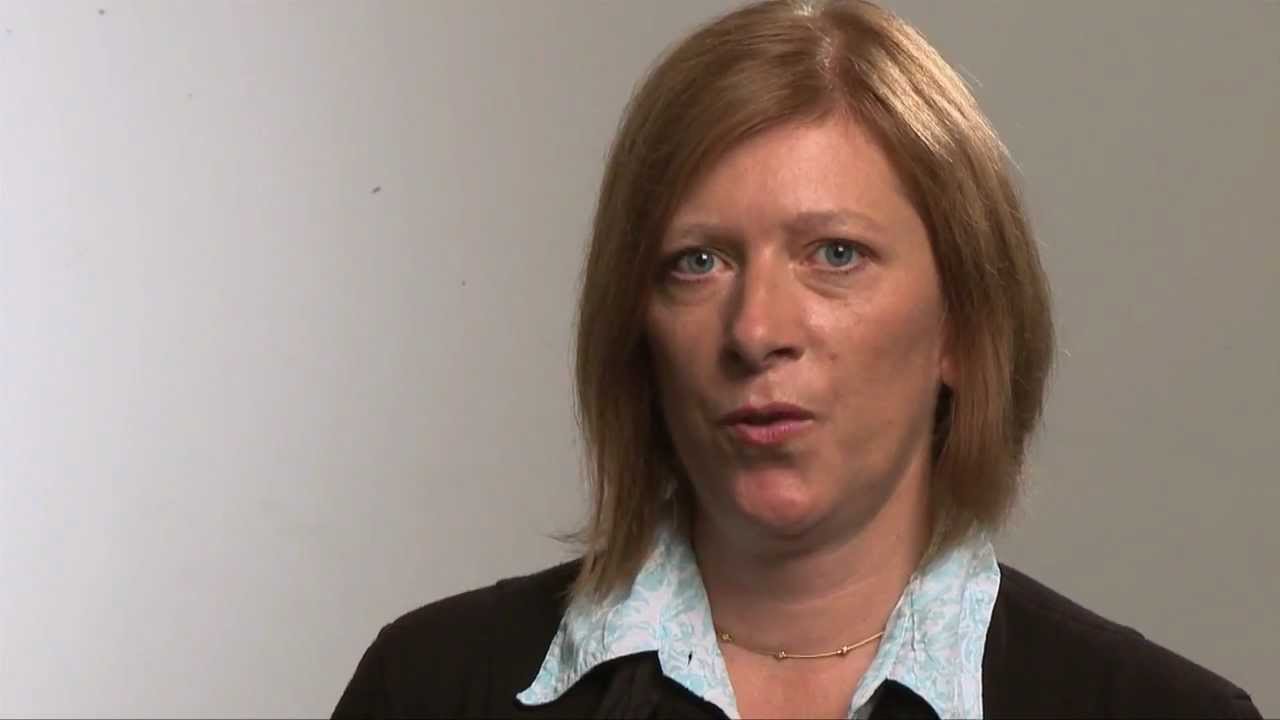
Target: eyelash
<point>673,261</point>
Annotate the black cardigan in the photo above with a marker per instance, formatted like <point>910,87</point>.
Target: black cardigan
<point>468,655</point>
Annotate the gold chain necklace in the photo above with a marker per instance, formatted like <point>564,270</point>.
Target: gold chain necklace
<point>784,655</point>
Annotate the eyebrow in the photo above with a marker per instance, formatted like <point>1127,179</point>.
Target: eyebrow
<point>798,224</point>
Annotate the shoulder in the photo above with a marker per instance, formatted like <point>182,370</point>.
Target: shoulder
<point>439,659</point>
<point>1046,651</point>
<point>537,596</point>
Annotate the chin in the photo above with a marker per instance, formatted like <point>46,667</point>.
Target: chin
<point>777,501</point>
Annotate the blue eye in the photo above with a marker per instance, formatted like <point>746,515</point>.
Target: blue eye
<point>696,262</point>
<point>839,254</point>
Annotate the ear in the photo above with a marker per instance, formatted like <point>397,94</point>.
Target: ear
<point>947,365</point>
<point>947,371</point>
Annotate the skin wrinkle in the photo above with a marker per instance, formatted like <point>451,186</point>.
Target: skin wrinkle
<point>809,545</point>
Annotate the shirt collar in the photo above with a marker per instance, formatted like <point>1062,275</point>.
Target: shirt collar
<point>933,643</point>
<point>937,633</point>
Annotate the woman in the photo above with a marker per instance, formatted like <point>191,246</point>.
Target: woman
<point>813,340</point>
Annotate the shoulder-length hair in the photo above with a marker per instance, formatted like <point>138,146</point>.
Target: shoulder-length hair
<point>764,65</point>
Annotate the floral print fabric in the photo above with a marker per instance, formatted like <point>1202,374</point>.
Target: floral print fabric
<point>933,643</point>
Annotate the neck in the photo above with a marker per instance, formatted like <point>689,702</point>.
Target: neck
<point>816,592</point>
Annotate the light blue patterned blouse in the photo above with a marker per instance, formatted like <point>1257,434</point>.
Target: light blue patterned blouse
<point>933,643</point>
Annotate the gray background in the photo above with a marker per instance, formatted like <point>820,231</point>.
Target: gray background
<point>253,409</point>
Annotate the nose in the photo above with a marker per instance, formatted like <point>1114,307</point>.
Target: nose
<point>765,326</point>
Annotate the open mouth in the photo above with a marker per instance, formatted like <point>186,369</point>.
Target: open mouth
<point>768,425</point>
<point>770,432</point>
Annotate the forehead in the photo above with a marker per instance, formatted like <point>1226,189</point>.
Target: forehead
<point>831,167</point>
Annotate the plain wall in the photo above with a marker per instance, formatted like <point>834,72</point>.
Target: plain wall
<point>285,308</point>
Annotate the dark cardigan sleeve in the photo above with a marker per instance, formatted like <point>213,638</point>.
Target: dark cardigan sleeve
<point>366,694</point>
<point>439,660</point>
<point>1243,706</point>
<point>1046,656</point>
<point>431,662</point>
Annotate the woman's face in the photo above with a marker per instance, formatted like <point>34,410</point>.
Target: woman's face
<point>797,332</point>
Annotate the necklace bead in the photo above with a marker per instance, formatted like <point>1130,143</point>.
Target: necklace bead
<point>781,655</point>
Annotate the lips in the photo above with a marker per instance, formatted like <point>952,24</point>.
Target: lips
<point>771,424</point>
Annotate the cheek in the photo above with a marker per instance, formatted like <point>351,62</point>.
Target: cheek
<point>659,335</point>
<point>674,368</point>
<point>683,351</point>
<point>680,344</point>
<point>887,350</point>
<point>670,350</point>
